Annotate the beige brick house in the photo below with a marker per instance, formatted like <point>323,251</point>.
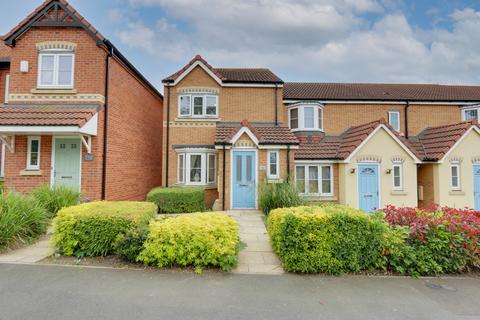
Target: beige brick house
<point>74,111</point>
<point>228,130</point>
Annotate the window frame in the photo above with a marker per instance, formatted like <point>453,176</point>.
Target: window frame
<point>318,121</point>
<point>277,165</point>
<point>204,167</point>
<point>390,113</point>
<point>320,179</point>
<point>464,111</point>
<point>56,63</point>
<point>29,153</point>
<point>400,166</point>
<point>459,183</point>
<point>192,114</point>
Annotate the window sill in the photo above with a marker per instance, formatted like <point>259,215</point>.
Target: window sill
<point>53,91</point>
<point>274,180</point>
<point>203,186</point>
<point>456,193</point>
<point>398,193</point>
<point>198,119</point>
<point>319,197</point>
<point>31,173</point>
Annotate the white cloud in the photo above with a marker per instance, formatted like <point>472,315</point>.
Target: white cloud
<point>324,40</point>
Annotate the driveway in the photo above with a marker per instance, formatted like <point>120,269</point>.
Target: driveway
<point>55,292</point>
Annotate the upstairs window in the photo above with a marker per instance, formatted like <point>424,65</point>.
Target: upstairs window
<point>307,117</point>
<point>394,120</point>
<point>198,106</point>
<point>471,114</point>
<point>55,70</point>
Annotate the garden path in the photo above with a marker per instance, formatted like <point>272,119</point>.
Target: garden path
<point>257,257</point>
<point>31,254</point>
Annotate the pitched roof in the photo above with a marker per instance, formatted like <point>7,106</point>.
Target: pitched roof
<point>72,18</point>
<point>230,75</point>
<point>341,147</point>
<point>43,6</point>
<point>434,142</point>
<point>45,116</point>
<point>265,133</point>
<point>379,91</point>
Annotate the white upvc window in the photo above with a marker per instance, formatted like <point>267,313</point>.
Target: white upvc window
<point>33,153</point>
<point>198,106</point>
<point>315,180</point>
<point>273,164</point>
<point>397,176</point>
<point>471,113</point>
<point>56,70</point>
<point>196,168</point>
<point>455,176</point>
<point>394,119</point>
<point>308,117</point>
<point>181,168</point>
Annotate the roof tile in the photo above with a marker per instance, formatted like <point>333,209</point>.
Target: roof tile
<point>265,133</point>
<point>45,116</point>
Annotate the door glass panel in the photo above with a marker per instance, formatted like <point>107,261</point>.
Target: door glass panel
<point>249,168</point>
<point>300,178</point>
<point>239,168</point>
<point>313,179</point>
<point>195,168</point>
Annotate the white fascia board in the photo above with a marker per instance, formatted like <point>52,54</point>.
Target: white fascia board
<point>252,85</point>
<point>38,129</point>
<point>317,161</point>
<point>459,103</point>
<point>410,153</point>
<point>90,128</point>
<point>241,132</point>
<point>193,66</point>
<point>277,146</point>
<point>472,128</point>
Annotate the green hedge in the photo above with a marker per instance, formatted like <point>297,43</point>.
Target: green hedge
<point>90,229</point>
<point>198,240</point>
<point>21,219</point>
<point>331,239</point>
<point>178,200</point>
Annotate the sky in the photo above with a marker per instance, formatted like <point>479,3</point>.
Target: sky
<point>401,41</point>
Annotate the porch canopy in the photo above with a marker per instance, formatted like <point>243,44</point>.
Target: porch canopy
<point>48,120</point>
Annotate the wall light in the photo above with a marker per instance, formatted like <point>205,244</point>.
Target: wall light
<point>388,171</point>
<point>352,171</point>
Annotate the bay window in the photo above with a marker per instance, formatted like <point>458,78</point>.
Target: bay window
<point>197,106</point>
<point>55,70</point>
<point>196,168</point>
<point>312,179</point>
<point>308,117</point>
<point>471,113</point>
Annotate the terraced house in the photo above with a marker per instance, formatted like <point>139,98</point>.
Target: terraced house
<point>74,111</point>
<point>363,145</point>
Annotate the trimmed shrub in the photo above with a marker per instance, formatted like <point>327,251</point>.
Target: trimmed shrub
<point>198,240</point>
<point>332,239</point>
<point>278,195</point>
<point>434,241</point>
<point>21,219</point>
<point>56,198</point>
<point>91,229</point>
<point>178,200</point>
<point>129,245</point>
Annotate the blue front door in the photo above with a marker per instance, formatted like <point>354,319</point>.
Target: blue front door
<point>476,186</point>
<point>368,187</point>
<point>244,180</point>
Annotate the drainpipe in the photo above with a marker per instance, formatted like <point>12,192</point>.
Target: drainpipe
<point>407,106</point>
<point>105,126</point>
<point>167,160</point>
<point>276,104</point>
<point>224,177</point>
<point>288,162</point>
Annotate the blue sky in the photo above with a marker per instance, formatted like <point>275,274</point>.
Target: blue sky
<point>300,40</point>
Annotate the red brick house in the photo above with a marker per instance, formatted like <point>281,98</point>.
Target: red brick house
<point>75,111</point>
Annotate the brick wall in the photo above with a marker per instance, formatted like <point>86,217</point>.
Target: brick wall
<point>89,74</point>
<point>135,137</point>
<point>423,116</point>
